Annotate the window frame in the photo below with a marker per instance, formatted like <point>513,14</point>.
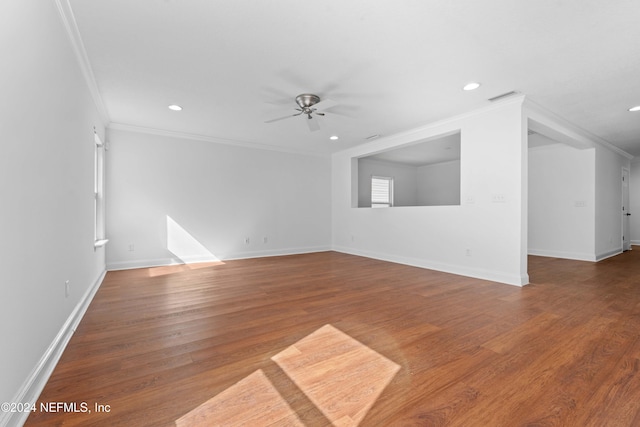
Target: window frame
<point>98,192</point>
<point>376,200</point>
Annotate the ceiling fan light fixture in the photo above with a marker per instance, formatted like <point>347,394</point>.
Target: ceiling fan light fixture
<point>471,86</point>
<point>175,107</point>
<point>636,108</point>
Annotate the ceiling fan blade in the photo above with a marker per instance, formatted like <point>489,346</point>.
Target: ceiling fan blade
<point>325,104</point>
<point>275,119</point>
<point>313,124</point>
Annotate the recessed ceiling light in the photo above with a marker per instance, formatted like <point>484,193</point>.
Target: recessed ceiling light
<point>471,86</point>
<point>636,108</point>
<point>333,138</point>
<point>175,107</point>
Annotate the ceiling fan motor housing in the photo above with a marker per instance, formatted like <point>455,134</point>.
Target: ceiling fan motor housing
<point>306,100</point>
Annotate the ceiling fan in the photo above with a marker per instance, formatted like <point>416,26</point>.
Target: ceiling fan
<point>310,105</point>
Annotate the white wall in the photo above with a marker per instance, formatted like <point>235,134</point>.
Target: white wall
<point>562,202</point>
<point>163,189</point>
<point>404,181</point>
<point>439,184</point>
<point>47,117</point>
<point>608,213</point>
<point>479,238</point>
<point>634,202</point>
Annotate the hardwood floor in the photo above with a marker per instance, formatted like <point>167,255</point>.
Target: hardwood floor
<point>333,339</point>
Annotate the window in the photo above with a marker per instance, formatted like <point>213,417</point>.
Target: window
<point>98,193</point>
<point>381,192</point>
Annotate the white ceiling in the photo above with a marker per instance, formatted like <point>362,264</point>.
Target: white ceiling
<point>391,66</point>
<point>429,152</point>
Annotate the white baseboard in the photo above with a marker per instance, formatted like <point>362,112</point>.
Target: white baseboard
<point>35,382</point>
<point>494,276</point>
<point>278,252</point>
<point>161,262</point>
<point>575,255</point>
<point>578,256</point>
<point>609,254</point>
<point>158,262</point>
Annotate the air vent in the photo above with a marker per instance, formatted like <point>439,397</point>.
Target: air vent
<point>504,95</point>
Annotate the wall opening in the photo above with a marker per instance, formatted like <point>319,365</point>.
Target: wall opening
<point>424,173</point>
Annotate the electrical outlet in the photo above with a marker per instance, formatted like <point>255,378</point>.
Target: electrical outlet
<point>265,239</point>
<point>132,247</point>
<point>247,240</point>
<point>67,289</point>
<point>468,252</point>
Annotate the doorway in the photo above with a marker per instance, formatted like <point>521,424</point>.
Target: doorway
<point>626,235</point>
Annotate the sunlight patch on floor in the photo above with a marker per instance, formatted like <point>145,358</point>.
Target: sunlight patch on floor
<point>253,401</point>
<point>341,376</point>
<point>177,268</point>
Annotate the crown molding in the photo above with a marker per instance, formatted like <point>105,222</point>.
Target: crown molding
<point>71,27</point>
<point>215,140</point>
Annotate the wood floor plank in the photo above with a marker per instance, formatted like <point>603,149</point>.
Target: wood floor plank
<point>217,343</point>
